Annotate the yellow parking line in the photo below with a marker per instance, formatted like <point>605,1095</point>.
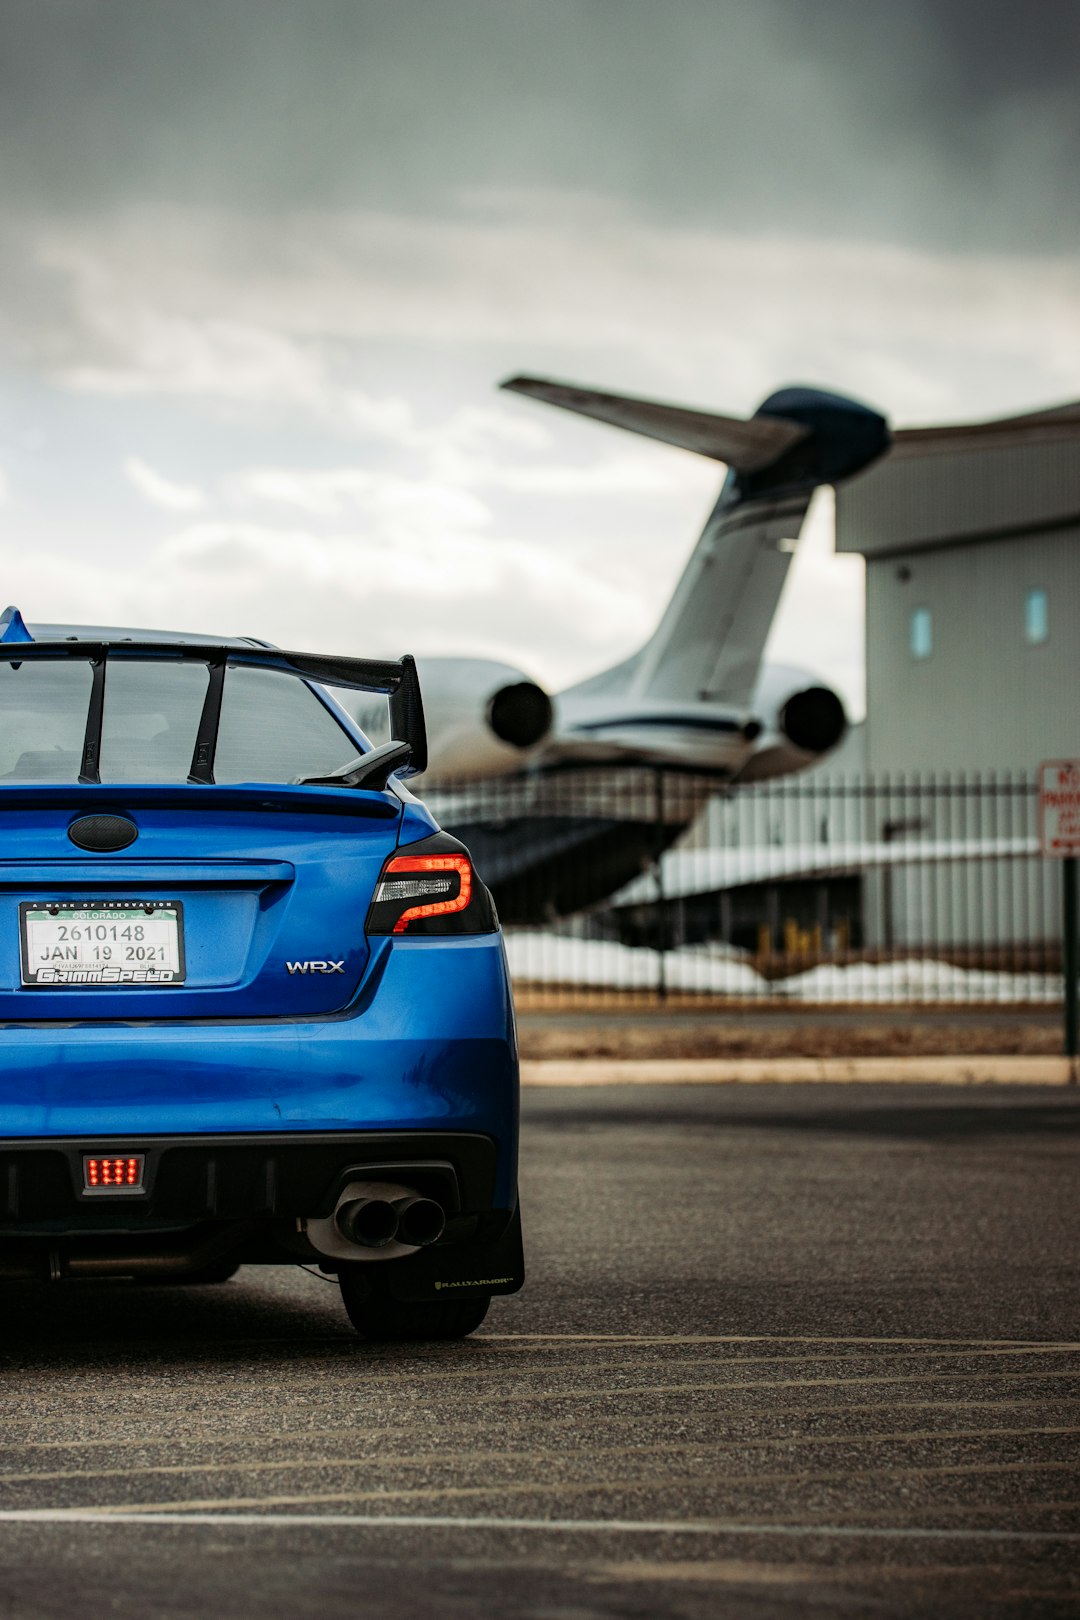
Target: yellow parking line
<point>759,1338</point>
<point>523,1420</point>
<point>525,1455</point>
<point>651,1527</point>
<point>637,1482</point>
<point>491,1397</point>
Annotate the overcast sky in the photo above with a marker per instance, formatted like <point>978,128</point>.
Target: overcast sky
<point>263,262</point>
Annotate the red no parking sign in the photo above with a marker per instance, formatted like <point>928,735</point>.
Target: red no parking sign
<point>1059,834</point>
<point>1059,807</point>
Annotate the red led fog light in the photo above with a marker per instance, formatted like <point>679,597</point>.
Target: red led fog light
<point>113,1173</point>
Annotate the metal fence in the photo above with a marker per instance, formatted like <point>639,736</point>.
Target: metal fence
<point>632,883</point>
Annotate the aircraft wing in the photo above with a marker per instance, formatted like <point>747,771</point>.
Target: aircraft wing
<point>703,871</point>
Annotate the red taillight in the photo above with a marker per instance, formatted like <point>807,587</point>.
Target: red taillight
<point>431,875</point>
<point>430,890</point>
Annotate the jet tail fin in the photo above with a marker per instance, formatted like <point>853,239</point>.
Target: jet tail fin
<point>707,647</point>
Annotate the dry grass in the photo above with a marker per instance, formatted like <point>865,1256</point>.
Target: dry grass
<point>728,1036</point>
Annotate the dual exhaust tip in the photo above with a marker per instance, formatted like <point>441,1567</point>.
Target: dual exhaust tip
<point>374,1222</point>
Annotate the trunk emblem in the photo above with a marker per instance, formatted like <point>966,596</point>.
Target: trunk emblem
<point>316,967</point>
<point>103,833</point>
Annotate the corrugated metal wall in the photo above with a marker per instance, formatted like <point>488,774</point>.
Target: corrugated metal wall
<point>967,534</point>
<point>985,698</point>
<point>911,501</point>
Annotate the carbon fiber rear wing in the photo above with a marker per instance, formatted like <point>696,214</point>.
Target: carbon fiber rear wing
<point>396,678</point>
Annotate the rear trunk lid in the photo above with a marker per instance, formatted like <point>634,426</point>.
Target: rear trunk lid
<point>262,889</point>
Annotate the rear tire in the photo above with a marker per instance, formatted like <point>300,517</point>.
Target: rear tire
<point>384,1320</point>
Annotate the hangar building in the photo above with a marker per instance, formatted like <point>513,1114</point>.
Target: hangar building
<point>921,827</point>
<point>972,545</point>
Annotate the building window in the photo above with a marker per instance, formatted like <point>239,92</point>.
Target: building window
<point>1036,618</point>
<point>922,633</point>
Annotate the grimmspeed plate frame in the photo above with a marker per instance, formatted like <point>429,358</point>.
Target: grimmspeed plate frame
<point>85,943</point>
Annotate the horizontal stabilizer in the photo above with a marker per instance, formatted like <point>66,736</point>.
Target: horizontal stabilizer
<point>746,445</point>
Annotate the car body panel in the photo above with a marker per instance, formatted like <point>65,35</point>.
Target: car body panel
<point>427,1044</point>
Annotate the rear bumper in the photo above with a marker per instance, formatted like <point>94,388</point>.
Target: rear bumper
<point>196,1179</point>
<point>238,1199</point>
<point>426,1047</point>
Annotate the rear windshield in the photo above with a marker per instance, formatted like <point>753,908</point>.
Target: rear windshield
<point>273,727</point>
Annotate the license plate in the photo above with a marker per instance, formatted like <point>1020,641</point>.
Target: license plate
<point>102,942</point>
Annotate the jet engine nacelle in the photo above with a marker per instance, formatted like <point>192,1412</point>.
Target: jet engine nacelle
<point>799,718</point>
<point>812,719</point>
<point>483,719</point>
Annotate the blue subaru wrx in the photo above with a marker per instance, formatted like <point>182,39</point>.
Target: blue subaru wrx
<point>254,1005</point>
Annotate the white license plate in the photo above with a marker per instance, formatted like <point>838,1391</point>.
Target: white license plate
<point>102,942</point>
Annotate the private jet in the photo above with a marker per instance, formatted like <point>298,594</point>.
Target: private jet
<point>564,798</point>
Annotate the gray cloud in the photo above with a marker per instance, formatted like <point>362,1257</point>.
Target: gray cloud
<point>936,121</point>
<point>264,259</point>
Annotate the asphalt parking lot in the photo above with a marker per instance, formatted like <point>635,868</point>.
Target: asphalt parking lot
<point>783,1350</point>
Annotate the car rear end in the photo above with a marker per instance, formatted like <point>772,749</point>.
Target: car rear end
<point>250,1011</point>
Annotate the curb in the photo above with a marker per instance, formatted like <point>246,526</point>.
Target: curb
<point>939,1071</point>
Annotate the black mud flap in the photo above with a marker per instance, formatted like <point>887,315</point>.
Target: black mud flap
<point>494,1263</point>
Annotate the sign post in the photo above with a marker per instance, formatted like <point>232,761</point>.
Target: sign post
<point>1059,836</point>
<point>1068,959</point>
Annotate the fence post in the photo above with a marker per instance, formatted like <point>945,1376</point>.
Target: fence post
<point>1069,954</point>
<point>661,906</point>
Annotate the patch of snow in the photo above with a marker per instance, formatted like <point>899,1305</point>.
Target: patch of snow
<point>709,871</point>
<point>918,980</point>
<point>541,958</point>
<point>545,958</point>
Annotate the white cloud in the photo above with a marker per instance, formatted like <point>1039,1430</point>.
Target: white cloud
<point>321,494</point>
<point>356,589</point>
<point>410,505</point>
<point>191,303</point>
<point>161,491</point>
<point>442,590</point>
<point>388,419</point>
<point>338,367</point>
<point>327,492</point>
<point>257,309</point>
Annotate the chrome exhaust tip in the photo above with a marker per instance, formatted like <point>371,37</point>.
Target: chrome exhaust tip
<point>371,1223</point>
<point>375,1220</point>
<point>420,1221</point>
